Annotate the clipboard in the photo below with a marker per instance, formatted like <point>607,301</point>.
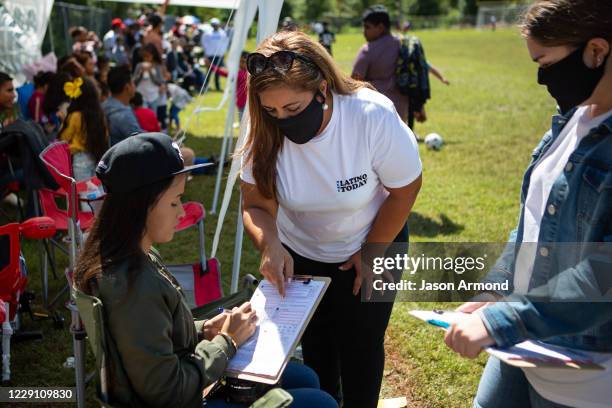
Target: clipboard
<point>528,354</point>
<point>292,339</point>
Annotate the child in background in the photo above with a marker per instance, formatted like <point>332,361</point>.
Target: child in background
<point>85,127</point>
<point>180,98</point>
<point>35,104</point>
<point>147,119</point>
<point>327,38</point>
<point>84,41</point>
<point>241,82</point>
<point>150,79</point>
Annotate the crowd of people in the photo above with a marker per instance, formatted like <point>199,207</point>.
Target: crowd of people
<point>137,78</point>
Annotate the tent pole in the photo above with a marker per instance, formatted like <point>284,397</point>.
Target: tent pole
<point>229,123</point>
<point>237,249</point>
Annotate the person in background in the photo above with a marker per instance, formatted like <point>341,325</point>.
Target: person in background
<point>241,82</point>
<point>180,98</point>
<point>72,67</point>
<point>84,41</point>
<point>147,119</point>
<point>150,80</point>
<point>9,111</point>
<point>55,105</point>
<point>24,94</point>
<point>136,57</point>
<point>416,53</point>
<point>104,91</point>
<point>119,54</point>
<point>376,61</point>
<point>103,66</point>
<point>131,34</point>
<point>36,102</point>
<point>85,127</point>
<point>215,45</point>
<point>121,120</point>
<point>87,62</point>
<point>110,38</point>
<point>192,77</point>
<point>327,38</point>
<point>154,34</point>
<point>174,60</point>
<point>289,24</point>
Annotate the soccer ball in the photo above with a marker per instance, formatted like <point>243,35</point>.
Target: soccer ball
<point>434,141</point>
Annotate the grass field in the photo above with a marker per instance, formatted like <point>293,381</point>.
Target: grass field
<point>491,117</point>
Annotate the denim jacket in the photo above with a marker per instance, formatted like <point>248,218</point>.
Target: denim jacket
<point>578,210</point>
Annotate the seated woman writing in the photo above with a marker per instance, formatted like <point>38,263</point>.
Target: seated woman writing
<point>159,355</point>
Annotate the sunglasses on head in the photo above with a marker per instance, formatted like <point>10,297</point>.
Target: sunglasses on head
<point>281,61</point>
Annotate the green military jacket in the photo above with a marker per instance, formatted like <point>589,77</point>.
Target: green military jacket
<point>157,357</point>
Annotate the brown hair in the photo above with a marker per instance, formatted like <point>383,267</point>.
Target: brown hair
<point>567,22</point>
<point>117,234</point>
<point>93,120</point>
<point>264,140</point>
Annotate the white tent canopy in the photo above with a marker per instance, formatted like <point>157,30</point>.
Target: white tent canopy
<point>224,4</point>
<point>23,24</point>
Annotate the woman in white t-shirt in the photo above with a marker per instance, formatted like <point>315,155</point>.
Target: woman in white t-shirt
<point>559,259</point>
<point>328,166</point>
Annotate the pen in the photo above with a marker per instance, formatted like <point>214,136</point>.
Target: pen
<point>439,323</point>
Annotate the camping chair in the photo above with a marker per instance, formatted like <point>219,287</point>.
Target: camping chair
<point>71,221</point>
<point>13,278</point>
<point>200,281</point>
<point>74,221</point>
<point>20,145</point>
<point>92,313</point>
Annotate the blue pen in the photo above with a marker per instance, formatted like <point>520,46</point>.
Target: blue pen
<point>439,323</point>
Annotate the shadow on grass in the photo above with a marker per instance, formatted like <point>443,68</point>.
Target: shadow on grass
<point>428,227</point>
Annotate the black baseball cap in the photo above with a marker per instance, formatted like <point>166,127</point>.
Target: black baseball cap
<point>141,160</point>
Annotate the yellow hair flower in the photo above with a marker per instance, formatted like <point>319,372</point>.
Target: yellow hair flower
<point>73,89</point>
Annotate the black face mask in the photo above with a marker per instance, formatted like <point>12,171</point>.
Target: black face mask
<point>301,128</point>
<point>569,81</point>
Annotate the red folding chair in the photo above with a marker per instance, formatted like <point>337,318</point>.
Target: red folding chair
<point>200,281</point>
<point>13,278</point>
<point>74,222</point>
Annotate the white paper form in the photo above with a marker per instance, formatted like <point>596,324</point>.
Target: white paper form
<point>280,322</point>
<point>529,353</point>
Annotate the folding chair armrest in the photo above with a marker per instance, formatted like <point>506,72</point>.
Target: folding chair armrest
<point>58,193</point>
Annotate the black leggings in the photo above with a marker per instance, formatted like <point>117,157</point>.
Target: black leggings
<point>344,341</point>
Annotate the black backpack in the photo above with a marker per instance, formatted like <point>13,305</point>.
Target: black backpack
<point>411,70</point>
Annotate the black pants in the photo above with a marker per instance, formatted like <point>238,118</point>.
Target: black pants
<point>344,341</point>
<point>410,118</point>
<point>217,61</point>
